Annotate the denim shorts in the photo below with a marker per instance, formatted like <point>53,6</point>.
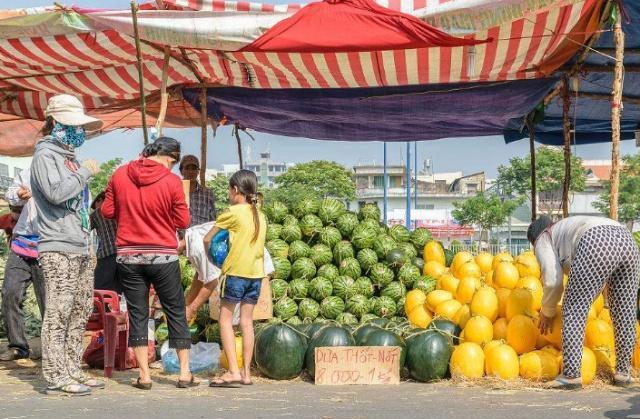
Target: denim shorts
<point>241,290</point>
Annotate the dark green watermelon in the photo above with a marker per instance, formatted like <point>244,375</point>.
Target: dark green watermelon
<point>448,328</point>
<point>396,258</point>
<point>386,338</point>
<point>448,257</point>
<point>360,334</point>
<point>379,321</point>
<point>315,327</point>
<point>330,336</point>
<point>418,263</point>
<point>280,352</point>
<point>428,355</point>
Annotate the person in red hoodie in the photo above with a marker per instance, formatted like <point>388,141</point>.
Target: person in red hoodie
<point>148,203</point>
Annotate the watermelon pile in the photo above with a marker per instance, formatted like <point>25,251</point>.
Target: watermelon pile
<point>335,264</point>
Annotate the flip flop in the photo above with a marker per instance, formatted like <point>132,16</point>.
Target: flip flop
<point>187,383</point>
<point>69,390</point>
<point>225,383</point>
<point>142,386</point>
<point>563,384</point>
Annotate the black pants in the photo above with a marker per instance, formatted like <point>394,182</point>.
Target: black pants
<point>19,272</point>
<point>165,278</point>
<point>106,274</point>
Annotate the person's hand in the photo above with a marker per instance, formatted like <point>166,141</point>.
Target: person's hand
<point>191,313</point>
<point>92,166</point>
<point>24,193</point>
<point>545,324</point>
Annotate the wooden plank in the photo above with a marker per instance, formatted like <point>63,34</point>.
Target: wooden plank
<point>566,130</point>
<point>364,365</point>
<point>616,106</point>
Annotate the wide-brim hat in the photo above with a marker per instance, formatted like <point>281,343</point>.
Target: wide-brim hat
<point>68,110</point>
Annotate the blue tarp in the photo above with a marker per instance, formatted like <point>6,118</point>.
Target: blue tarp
<point>593,116</point>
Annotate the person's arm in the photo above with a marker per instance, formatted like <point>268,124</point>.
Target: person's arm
<point>180,211</point>
<point>209,236</point>
<point>108,207</point>
<point>551,275</point>
<point>201,297</point>
<point>55,188</point>
<point>226,221</point>
<point>13,192</point>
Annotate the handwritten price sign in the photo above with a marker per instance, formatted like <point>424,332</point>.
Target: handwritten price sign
<point>346,365</point>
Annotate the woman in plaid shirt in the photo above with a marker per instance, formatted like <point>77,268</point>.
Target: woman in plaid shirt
<point>202,204</point>
<point>106,275</point>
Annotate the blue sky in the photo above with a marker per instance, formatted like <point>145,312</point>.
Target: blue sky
<point>486,154</point>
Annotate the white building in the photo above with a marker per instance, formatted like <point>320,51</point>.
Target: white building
<point>10,167</point>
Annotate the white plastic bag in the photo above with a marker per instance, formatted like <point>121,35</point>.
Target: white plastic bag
<point>202,357</point>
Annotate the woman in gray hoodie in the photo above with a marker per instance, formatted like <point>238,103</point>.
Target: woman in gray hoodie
<point>61,197</point>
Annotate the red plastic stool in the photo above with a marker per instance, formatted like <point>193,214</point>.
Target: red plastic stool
<point>107,317</point>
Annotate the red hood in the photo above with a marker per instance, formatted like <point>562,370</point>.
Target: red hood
<point>145,172</point>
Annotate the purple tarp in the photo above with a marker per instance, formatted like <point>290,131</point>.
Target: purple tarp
<point>407,113</point>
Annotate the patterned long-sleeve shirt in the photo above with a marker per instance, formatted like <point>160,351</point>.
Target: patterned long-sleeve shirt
<point>202,205</point>
<point>106,230</point>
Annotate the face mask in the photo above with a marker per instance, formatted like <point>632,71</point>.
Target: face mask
<point>69,135</point>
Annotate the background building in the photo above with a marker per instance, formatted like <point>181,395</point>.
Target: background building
<point>9,168</point>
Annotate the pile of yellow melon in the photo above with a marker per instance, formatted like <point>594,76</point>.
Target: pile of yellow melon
<point>495,300</point>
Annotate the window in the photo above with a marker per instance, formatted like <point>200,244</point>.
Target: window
<point>4,170</point>
<point>472,188</point>
<point>378,182</point>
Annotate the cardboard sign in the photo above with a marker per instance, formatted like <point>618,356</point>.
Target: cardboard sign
<point>186,189</point>
<point>262,311</point>
<point>346,365</point>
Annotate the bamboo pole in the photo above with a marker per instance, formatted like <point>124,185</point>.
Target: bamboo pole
<point>532,152</point>
<point>236,131</point>
<point>616,106</point>
<point>566,130</point>
<point>164,97</point>
<point>143,105</point>
<point>203,135</point>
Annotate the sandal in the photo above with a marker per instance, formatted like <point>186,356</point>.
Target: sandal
<point>70,390</point>
<point>142,386</point>
<point>222,383</point>
<point>624,381</point>
<point>91,382</point>
<point>564,383</point>
<point>188,383</point>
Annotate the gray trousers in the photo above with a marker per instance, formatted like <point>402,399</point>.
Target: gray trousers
<point>19,272</point>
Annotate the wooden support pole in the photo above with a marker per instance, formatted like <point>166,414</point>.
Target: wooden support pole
<point>616,107</point>
<point>203,135</point>
<point>236,131</point>
<point>532,153</point>
<point>164,97</point>
<point>143,105</point>
<point>566,130</point>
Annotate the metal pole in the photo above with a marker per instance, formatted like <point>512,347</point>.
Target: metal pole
<point>384,185</point>
<point>143,104</point>
<point>408,186</point>
<point>615,116</point>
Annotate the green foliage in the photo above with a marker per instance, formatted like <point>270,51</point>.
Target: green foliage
<point>98,183</point>
<point>484,211</point>
<point>515,179</point>
<point>629,192</point>
<point>220,187</point>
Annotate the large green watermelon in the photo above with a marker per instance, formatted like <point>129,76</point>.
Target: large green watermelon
<point>367,258</point>
<point>294,321</point>
<point>299,249</point>
<point>342,250</point>
<point>278,248</point>
<point>383,245</point>
<point>276,211</point>
<point>291,233</point>
<point>419,237</point>
<point>308,309</point>
<point>328,271</point>
<point>330,336</point>
<point>400,307</point>
<point>386,338</point>
<point>364,286</point>
<point>350,267</point>
<point>394,290</point>
<point>396,258</point>
<point>289,220</point>
<point>424,283</point>
<point>273,231</point>
<point>303,268</point>
<point>358,305</point>
<point>408,274</point>
<point>369,211</point>
<point>310,225</point>
<point>346,223</point>
<point>364,236</point>
<point>282,268</point>
<point>306,206</point>
<point>316,327</point>
<point>408,250</point>
<point>279,288</point>
<point>321,254</point>
<point>330,210</point>
<point>428,355</point>
<point>331,307</point>
<point>347,319</point>
<point>330,236</point>
<point>385,307</point>
<point>285,308</point>
<point>279,352</point>
<point>418,262</point>
<point>344,287</point>
<point>298,288</point>
<point>399,233</point>
<point>447,328</point>
<point>368,318</point>
<point>448,257</point>
<point>320,288</point>
<point>381,275</point>
<point>361,333</point>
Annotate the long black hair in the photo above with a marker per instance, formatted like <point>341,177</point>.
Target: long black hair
<point>247,184</point>
<point>163,146</point>
<point>537,227</point>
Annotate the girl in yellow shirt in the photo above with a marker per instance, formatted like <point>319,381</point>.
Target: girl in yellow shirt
<point>242,271</point>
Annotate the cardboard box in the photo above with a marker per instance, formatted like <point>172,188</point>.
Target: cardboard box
<point>262,311</point>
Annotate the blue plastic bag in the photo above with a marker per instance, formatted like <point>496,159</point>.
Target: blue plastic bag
<point>202,357</point>
<point>219,248</point>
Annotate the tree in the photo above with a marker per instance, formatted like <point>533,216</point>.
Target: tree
<point>318,178</point>
<point>515,179</point>
<point>629,192</point>
<point>220,187</point>
<point>484,211</point>
<point>99,182</point>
